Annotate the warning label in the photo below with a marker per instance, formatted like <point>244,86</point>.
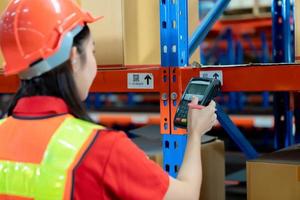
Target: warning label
<point>212,74</point>
<point>140,81</point>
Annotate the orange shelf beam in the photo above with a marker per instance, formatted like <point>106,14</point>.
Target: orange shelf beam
<point>108,79</point>
<point>251,78</point>
<point>125,119</point>
<point>115,79</point>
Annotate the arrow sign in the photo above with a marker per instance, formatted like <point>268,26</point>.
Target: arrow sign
<point>212,74</point>
<point>140,81</point>
<point>216,76</point>
<point>148,78</point>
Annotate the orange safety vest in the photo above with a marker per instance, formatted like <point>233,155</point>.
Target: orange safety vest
<point>43,172</point>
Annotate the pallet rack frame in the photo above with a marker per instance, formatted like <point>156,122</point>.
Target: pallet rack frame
<point>174,73</point>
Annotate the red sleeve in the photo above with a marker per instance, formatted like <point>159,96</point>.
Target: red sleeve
<point>130,174</point>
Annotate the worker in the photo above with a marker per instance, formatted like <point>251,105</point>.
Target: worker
<point>49,148</point>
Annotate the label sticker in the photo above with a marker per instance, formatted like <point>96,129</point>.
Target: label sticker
<point>140,81</point>
<point>264,122</point>
<point>212,74</point>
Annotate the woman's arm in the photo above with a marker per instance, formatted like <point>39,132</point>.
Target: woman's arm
<point>188,183</point>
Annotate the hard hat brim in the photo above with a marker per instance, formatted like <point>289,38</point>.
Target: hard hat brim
<point>89,18</point>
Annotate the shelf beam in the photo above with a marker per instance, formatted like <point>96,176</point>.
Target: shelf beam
<point>248,78</point>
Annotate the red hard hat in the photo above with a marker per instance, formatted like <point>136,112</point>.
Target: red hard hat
<point>34,30</point>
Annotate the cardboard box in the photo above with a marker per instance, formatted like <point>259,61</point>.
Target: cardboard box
<point>275,176</point>
<point>213,166</point>
<point>213,161</point>
<point>107,33</point>
<point>142,31</point>
<point>194,22</point>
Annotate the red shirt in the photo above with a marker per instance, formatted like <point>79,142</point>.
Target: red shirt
<point>112,168</point>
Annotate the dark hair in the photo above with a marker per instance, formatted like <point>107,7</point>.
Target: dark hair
<point>58,82</point>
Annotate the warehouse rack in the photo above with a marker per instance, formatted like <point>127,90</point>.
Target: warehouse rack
<point>230,48</point>
<point>170,79</point>
<point>126,119</point>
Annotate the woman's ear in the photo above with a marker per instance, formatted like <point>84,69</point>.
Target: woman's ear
<point>74,58</point>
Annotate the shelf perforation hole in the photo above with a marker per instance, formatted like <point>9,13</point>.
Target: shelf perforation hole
<point>167,144</point>
<point>176,168</point>
<point>164,24</point>
<point>175,145</point>
<point>168,168</point>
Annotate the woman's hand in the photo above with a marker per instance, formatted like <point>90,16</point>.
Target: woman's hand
<point>189,179</point>
<point>201,121</point>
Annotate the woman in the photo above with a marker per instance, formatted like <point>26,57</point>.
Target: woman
<point>48,149</point>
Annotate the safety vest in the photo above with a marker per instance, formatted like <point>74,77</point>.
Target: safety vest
<point>52,178</point>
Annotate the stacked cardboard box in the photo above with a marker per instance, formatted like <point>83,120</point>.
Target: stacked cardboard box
<point>107,33</point>
<point>213,163</point>
<point>129,34</point>
<point>275,176</point>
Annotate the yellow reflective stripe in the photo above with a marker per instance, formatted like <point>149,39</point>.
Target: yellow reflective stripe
<point>2,120</point>
<point>47,180</point>
<point>17,178</point>
<point>61,152</point>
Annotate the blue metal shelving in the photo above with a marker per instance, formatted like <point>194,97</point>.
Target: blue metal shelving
<point>283,51</point>
<point>176,48</point>
<point>174,52</point>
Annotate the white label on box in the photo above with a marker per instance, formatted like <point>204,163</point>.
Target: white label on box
<point>212,74</point>
<point>140,81</point>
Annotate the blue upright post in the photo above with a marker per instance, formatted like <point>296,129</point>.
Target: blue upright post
<point>266,97</point>
<point>239,56</point>
<point>265,58</point>
<point>297,118</point>
<point>249,40</point>
<point>230,60</point>
<point>283,51</point>
<point>297,134</point>
<point>98,102</point>
<point>88,101</point>
<point>203,57</point>
<point>130,100</point>
<point>174,32</point>
<point>239,53</point>
<point>289,123</point>
<point>174,52</point>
